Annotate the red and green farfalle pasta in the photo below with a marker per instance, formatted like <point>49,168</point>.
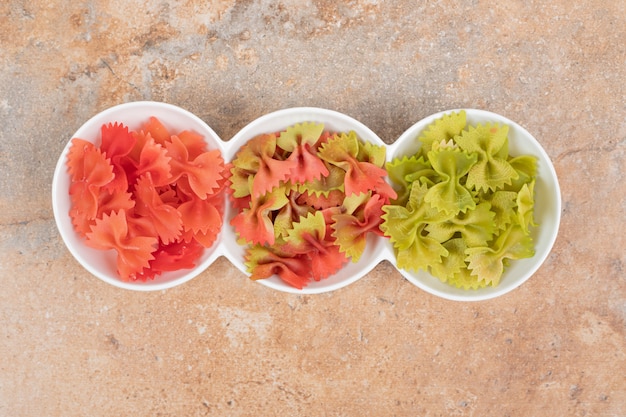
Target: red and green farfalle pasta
<point>305,200</point>
<point>464,208</point>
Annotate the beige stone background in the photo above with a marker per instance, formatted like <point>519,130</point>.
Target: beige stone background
<point>71,345</point>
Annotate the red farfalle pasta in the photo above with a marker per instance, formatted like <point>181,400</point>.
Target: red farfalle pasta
<point>194,143</point>
<point>200,171</point>
<point>90,171</point>
<point>153,160</point>
<point>134,253</point>
<point>157,130</point>
<point>203,218</point>
<point>116,143</point>
<point>165,218</point>
<point>153,197</point>
<point>172,257</point>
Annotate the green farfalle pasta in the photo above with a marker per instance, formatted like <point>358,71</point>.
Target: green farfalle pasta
<point>526,168</point>
<point>451,164</point>
<point>503,205</point>
<point>404,171</point>
<point>490,143</point>
<point>423,253</point>
<point>525,205</point>
<point>453,268</point>
<point>443,129</point>
<point>464,207</point>
<point>405,227</point>
<point>404,224</point>
<point>487,262</point>
<point>476,227</point>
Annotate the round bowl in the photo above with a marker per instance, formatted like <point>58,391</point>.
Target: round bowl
<point>278,121</point>
<point>547,209</point>
<point>102,264</point>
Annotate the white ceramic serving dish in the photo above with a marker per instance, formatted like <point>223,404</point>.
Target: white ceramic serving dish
<point>102,264</point>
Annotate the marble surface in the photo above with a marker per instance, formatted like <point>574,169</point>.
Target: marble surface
<point>71,345</point>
